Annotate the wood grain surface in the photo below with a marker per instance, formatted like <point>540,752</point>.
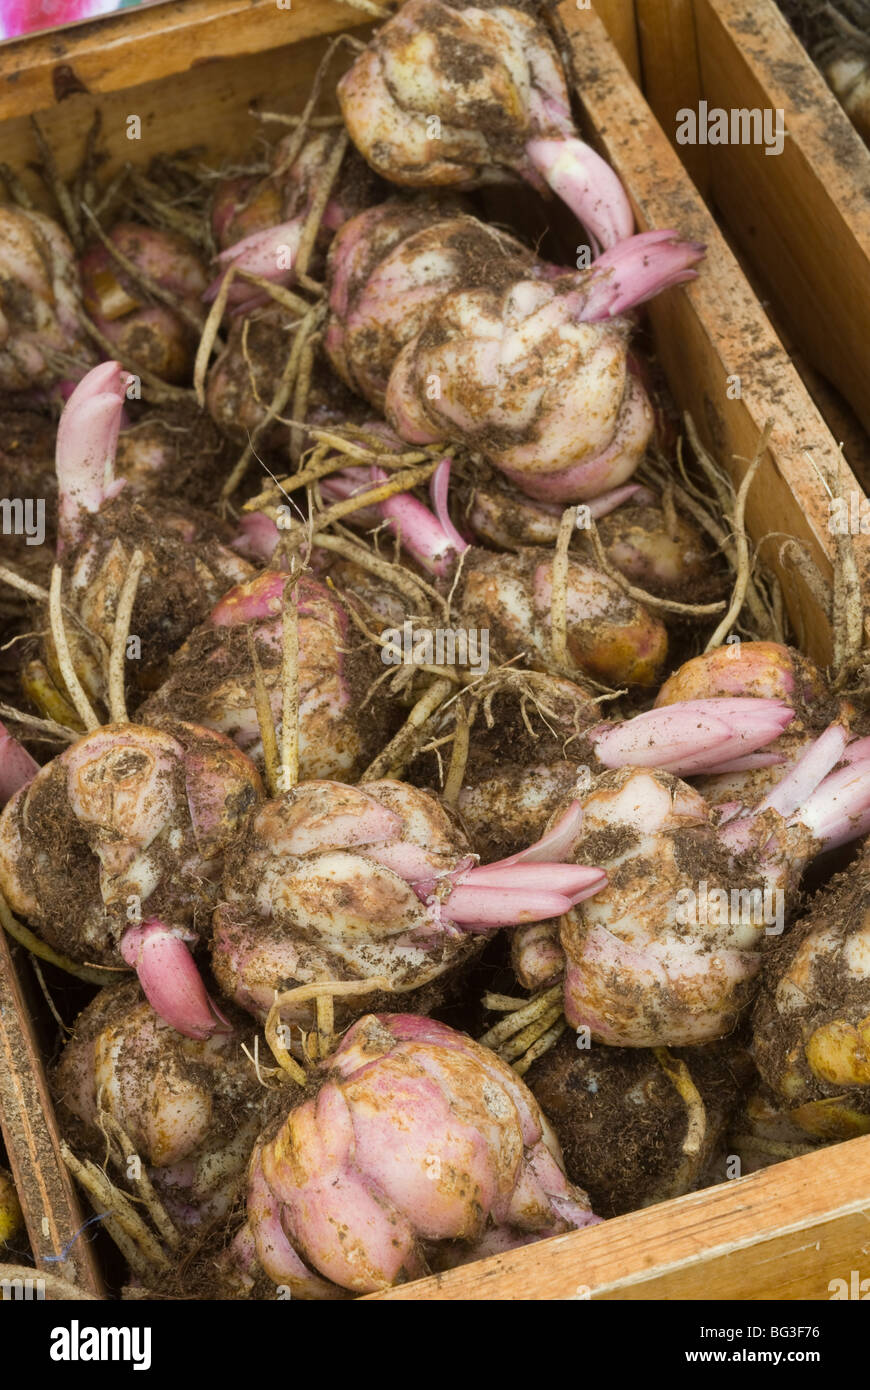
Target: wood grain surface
<point>48,1199</point>
<point>802,216</point>
<point>713,338</point>
<point>143,45</point>
<point>783,1233</point>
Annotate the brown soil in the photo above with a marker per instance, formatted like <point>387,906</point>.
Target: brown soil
<point>620,1120</point>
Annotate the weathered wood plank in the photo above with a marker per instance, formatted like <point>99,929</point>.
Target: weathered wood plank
<point>783,1233</point>
<point>723,361</point>
<point>27,1120</point>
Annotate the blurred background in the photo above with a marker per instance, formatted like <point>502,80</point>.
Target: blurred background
<point>19,17</point>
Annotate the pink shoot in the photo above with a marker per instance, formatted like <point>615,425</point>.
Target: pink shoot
<point>607,502</point>
<point>807,773</point>
<point>637,269</point>
<point>484,908</point>
<point>439,485</point>
<point>695,736</point>
<point>839,809</point>
<point>171,982</point>
<point>87,437</point>
<point>270,254</point>
<point>257,538</point>
<point>17,767</point>
<point>561,878</point>
<point>556,844</point>
<point>424,536</point>
<point>586,182</point>
<point>834,806</point>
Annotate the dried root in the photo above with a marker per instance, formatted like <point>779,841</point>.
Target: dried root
<point>289,775</point>
<point>693,1145</point>
<point>278,1033</point>
<point>402,482</point>
<point>134,1238</point>
<point>49,728</point>
<point>403,746</point>
<point>652,601</point>
<point>264,719</point>
<point>120,633</point>
<point>300,134</point>
<point>15,188</point>
<point>209,337</point>
<point>75,689</point>
<point>559,602</point>
<point>57,187</point>
<point>416,590</point>
<point>320,197</point>
<point>741,583</point>
<point>463,721</point>
<point>762,611</point>
<point>283,391</point>
<point>531,1028</point>
<point>144,1188</point>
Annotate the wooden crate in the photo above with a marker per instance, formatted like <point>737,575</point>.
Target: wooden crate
<point>801,218</point>
<point>784,1232</point>
<point>48,1199</point>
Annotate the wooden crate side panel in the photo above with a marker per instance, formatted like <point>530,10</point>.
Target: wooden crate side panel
<point>620,21</point>
<point>49,1201</point>
<point>802,216</point>
<point>783,1233</point>
<point>713,337</point>
<point>207,108</point>
<point>141,46</point>
<point>671,73</point>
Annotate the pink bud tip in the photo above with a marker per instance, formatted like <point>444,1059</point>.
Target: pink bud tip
<point>695,735</point>
<point>439,486</point>
<point>839,809</point>
<point>424,536</point>
<point>270,254</point>
<point>257,538</point>
<point>815,764</point>
<point>17,768</point>
<point>172,984</point>
<point>586,182</point>
<point>556,844</point>
<point>637,269</point>
<point>569,879</point>
<point>858,751</point>
<point>257,600</point>
<point>607,502</point>
<point>87,438</point>
<point>484,908</point>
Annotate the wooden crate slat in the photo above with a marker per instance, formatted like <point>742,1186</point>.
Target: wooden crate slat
<point>135,47</point>
<point>671,72</point>
<point>213,116</point>
<point>802,216</point>
<point>714,332</point>
<point>782,1233</point>
<point>620,21</point>
<point>48,1199</point>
